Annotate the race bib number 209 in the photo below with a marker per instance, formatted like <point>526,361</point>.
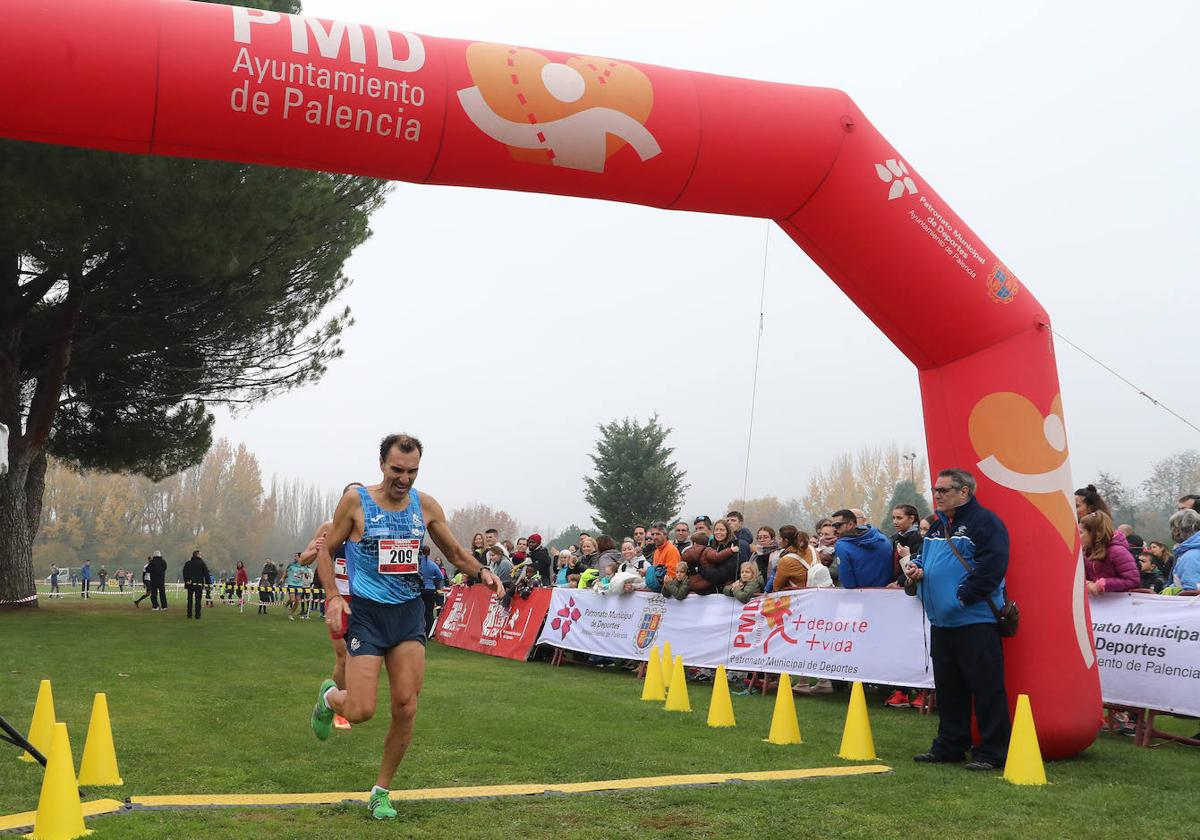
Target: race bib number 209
<point>399,557</point>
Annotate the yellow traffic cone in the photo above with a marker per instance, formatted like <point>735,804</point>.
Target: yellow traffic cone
<point>667,664</point>
<point>857,743</point>
<point>652,686</point>
<point>1024,765</point>
<point>99,763</point>
<point>41,729</point>
<point>677,695</point>
<point>59,814</point>
<point>720,708</point>
<point>785,728</point>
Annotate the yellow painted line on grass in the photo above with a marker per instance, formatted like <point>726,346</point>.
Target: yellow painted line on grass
<point>493,791</point>
<point>90,809</point>
<point>284,800</point>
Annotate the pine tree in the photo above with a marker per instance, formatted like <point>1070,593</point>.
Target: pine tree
<point>904,494</point>
<point>136,291</point>
<point>635,480</point>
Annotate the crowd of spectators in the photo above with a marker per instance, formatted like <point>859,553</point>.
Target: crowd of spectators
<point>723,557</point>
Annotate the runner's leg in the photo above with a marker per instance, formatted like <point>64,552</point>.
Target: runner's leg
<point>406,676</point>
<point>339,662</point>
<point>356,702</point>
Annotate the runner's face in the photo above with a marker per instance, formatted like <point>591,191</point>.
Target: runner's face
<point>399,472</point>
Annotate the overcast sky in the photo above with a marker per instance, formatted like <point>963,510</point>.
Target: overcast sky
<point>1059,132</point>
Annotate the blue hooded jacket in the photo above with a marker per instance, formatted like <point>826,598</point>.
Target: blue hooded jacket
<point>1187,563</point>
<point>865,558</point>
<point>951,596</point>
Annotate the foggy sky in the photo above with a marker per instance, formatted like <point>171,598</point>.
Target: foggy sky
<point>1060,134</point>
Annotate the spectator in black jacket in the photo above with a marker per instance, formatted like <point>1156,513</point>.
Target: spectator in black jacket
<point>137,602</point>
<point>540,558</point>
<point>682,537</point>
<point>158,581</point>
<point>742,534</point>
<point>195,579</point>
<point>271,572</point>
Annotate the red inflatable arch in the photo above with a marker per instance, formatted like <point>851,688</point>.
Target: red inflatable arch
<point>171,77</point>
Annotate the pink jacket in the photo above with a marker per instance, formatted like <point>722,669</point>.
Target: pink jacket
<point>1118,571</point>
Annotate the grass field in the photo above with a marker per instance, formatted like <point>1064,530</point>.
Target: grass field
<point>221,706</point>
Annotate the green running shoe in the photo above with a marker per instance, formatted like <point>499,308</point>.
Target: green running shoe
<point>322,715</point>
<point>381,805</point>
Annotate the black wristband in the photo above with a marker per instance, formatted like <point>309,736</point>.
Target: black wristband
<point>479,574</point>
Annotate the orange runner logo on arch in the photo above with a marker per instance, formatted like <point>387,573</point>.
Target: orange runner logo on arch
<point>574,114</point>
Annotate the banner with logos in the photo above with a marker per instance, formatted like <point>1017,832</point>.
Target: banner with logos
<point>1148,648</point>
<point>473,620</point>
<point>872,635</point>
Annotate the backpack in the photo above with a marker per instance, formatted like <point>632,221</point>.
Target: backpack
<point>818,574</point>
<point>654,577</point>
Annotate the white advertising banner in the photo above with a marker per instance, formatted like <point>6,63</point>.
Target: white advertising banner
<point>1148,647</point>
<point>873,635</point>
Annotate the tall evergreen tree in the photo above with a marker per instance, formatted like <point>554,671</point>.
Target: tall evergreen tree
<point>904,494</point>
<point>136,291</point>
<point>635,480</point>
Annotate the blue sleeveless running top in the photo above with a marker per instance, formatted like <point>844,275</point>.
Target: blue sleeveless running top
<point>385,565</point>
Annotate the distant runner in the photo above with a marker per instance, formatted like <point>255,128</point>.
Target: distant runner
<point>383,527</point>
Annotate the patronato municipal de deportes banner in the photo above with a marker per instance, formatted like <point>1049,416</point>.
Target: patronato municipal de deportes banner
<point>864,635</point>
<point>1148,647</point>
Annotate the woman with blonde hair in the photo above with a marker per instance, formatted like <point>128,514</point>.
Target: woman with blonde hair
<point>588,551</point>
<point>1107,563</point>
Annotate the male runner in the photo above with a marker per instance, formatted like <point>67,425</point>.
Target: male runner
<point>337,635</point>
<point>383,527</point>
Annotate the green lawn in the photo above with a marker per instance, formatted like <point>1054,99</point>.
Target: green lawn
<point>222,706</point>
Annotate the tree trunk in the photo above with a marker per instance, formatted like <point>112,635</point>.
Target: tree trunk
<point>20,511</point>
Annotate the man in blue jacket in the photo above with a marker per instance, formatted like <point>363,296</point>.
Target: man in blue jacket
<point>968,661</point>
<point>864,553</point>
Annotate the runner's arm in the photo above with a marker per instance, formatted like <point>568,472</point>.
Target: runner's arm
<point>310,551</point>
<point>338,532</point>
<point>439,532</point>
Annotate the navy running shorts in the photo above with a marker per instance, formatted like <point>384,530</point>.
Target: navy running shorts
<point>375,628</point>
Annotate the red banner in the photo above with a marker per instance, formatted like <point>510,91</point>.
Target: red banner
<point>473,620</point>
